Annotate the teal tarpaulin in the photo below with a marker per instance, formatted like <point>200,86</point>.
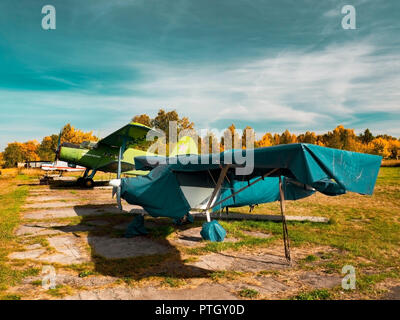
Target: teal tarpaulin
<point>304,166</point>
<point>158,193</point>
<point>213,231</point>
<point>136,227</point>
<point>264,191</point>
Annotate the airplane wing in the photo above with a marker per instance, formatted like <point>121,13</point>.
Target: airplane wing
<point>326,169</point>
<point>193,182</point>
<point>131,133</point>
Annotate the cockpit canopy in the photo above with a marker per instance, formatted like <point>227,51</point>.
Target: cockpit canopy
<point>88,145</point>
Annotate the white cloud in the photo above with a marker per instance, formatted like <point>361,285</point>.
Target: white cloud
<point>296,86</point>
<point>305,90</point>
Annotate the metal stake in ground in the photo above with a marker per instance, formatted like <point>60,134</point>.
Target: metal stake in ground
<point>286,242</point>
<point>221,178</point>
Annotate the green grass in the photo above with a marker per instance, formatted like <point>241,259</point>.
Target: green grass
<point>173,282</point>
<point>310,258</point>
<point>364,231</point>
<point>11,297</point>
<point>37,283</point>
<point>59,291</point>
<point>86,273</point>
<point>319,294</point>
<point>248,293</point>
<point>10,203</point>
<point>225,275</point>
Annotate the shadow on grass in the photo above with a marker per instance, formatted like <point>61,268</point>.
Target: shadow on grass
<point>149,255</point>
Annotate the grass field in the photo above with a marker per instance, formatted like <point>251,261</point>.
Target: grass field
<point>364,232</point>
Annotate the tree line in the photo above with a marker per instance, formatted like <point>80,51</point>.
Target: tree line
<point>340,138</point>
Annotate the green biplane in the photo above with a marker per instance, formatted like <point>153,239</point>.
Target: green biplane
<point>115,153</point>
<point>104,154</point>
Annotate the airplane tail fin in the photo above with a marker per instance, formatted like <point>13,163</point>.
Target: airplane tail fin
<point>185,145</point>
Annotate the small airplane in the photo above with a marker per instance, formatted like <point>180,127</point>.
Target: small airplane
<point>113,153</point>
<point>283,172</point>
<point>61,166</point>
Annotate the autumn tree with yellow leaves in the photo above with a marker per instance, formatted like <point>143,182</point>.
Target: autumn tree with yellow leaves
<point>16,152</point>
<point>340,138</point>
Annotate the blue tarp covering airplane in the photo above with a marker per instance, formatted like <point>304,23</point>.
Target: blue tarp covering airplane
<point>327,170</point>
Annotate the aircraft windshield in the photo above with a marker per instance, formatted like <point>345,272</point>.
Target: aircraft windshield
<point>88,145</point>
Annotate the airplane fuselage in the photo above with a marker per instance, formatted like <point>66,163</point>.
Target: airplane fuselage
<point>102,158</point>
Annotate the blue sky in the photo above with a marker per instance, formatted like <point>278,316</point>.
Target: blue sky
<point>274,65</point>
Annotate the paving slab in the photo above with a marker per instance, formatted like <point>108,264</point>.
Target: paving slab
<point>263,285</point>
<point>120,248</point>
<point>393,294</point>
<point>212,291</point>
<point>122,226</point>
<point>321,281</point>
<point>259,217</point>
<point>241,262</point>
<point>41,198</point>
<point>97,223</point>
<point>29,254</point>
<point>80,211</point>
<point>40,229</point>
<point>76,281</point>
<point>69,250</point>
<point>61,197</point>
<point>63,204</point>
<point>190,238</point>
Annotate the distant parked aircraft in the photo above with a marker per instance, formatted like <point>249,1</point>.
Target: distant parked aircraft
<point>61,166</point>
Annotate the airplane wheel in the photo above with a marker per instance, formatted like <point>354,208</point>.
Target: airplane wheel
<point>88,183</point>
<point>79,182</point>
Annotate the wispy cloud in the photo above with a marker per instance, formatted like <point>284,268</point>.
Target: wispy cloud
<point>298,89</point>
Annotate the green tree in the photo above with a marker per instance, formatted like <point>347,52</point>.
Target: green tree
<point>341,138</point>
<point>48,147</point>
<point>13,154</point>
<point>162,120</point>
<point>366,137</point>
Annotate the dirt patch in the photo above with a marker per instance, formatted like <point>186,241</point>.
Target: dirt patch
<point>119,248</point>
<point>256,234</point>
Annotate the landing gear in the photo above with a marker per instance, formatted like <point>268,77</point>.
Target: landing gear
<point>87,180</point>
<point>88,183</point>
